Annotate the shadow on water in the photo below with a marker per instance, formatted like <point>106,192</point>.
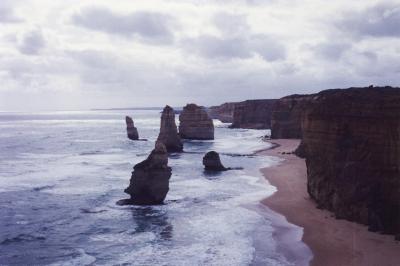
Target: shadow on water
<point>198,145</point>
<point>211,175</point>
<point>149,219</point>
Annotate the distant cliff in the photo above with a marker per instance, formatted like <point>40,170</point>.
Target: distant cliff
<point>351,140</point>
<point>255,114</point>
<point>223,112</point>
<point>286,116</point>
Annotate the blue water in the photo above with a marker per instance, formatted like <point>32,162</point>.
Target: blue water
<point>61,174</point>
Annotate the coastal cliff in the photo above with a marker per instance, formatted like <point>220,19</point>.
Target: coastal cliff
<point>351,141</point>
<point>287,115</point>
<point>253,114</point>
<point>223,112</point>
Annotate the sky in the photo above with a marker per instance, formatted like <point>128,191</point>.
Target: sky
<point>82,54</point>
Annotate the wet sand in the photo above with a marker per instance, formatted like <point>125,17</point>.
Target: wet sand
<point>333,242</point>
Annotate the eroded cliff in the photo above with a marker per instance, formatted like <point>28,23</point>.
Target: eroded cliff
<point>287,115</point>
<point>223,112</point>
<point>253,114</point>
<point>351,140</point>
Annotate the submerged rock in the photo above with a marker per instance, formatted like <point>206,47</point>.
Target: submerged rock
<point>212,162</point>
<point>169,132</point>
<point>195,123</point>
<point>149,183</point>
<point>131,129</point>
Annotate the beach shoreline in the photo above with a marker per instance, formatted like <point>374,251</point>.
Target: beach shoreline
<point>332,242</point>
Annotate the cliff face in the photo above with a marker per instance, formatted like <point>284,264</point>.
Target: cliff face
<point>254,114</point>
<point>223,112</point>
<point>286,116</point>
<point>195,123</point>
<point>351,140</point>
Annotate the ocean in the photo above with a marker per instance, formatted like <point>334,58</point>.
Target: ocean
<point>61,174</point>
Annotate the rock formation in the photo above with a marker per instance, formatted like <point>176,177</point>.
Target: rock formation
<point>195,123</point>
<point>168,131</point>
<point>131,129</point>
<point>351,141</point>
<point>287,116</point>
<point>223,112</point>
<point>212,162</point>
<point>149,183</point>
<point>253,114</point>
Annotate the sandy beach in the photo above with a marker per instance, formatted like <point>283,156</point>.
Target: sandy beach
<point>333,242</point>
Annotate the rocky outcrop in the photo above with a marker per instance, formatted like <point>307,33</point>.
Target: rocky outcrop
<point>212,162</point>
<point>149,183</point>
<point>351,141</point>
<point>223,112</point>
<point>253,114</point>
<point>195,123</point>
<point>131,130</point>
<point>169,132</point>
<point>287,116</point>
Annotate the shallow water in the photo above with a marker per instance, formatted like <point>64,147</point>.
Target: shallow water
<point>61,174</point>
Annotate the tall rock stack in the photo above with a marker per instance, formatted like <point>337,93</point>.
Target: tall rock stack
<point>149,183</point>
<point>287,116</point>
<point>195,123</point>
<point>131,130</point>
<point>351,141</point>
<point>169,132</point>
<point>253,114</point>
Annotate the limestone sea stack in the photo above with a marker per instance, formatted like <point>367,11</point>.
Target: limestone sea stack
<point>149,183</point>
<point>287,115</point>
<point>169,132</point>
<point>212,162</point>
<point>253,114</point>
<point>351,141</point>
<point>195,123</point>
<point>131,130</point>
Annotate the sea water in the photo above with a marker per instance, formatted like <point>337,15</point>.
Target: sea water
<point>61,174</point>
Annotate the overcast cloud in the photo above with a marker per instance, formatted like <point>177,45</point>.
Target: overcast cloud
<point>100,54</point>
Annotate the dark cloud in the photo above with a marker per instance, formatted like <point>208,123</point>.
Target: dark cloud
<point>32,43</point>
<point>377,21</point>
<point>217,48</point>
<point>267,47</point>
<point>148,26</point>
<point>236,41</point>
<point>7,15</point>
<point>331,50</point>
<point>232,24</point>
<point>237,47</point>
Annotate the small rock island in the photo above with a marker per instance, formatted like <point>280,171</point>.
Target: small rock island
<point>212,162</point>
